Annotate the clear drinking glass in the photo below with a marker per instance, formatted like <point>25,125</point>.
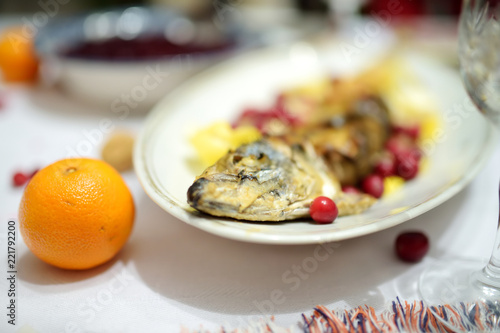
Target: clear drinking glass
<point>468,285</point>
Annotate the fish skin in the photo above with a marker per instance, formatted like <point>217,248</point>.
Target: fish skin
<point>269,180</point>
<point>349,142</point>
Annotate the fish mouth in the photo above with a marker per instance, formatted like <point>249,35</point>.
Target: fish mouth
<point>195,192</point>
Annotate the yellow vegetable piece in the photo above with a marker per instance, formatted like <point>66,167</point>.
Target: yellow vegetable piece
<point>215,140</point>
<point>244,134</point>
<point>392,184</point>
<point>430,125</point>
<point>315,90</point>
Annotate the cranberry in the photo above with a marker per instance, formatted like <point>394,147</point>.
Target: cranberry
<point>416,153</point>
<point>407,165</point>
<point>260,118</point>
<point>413,131</point>
<point>350,189</point>
<point>323,210</point>
<point>399,143</point>
<point>373,185</point>
<point>386,166</point>
<point>412,246</point>
<point>19,179</point>
<point>252,117</point>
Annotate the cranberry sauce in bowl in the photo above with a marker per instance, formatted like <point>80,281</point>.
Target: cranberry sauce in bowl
<point>101,56</point>
<point>141,48</point>
<point>136,33</point>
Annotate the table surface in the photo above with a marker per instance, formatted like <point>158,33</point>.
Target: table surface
<point>171,276</point>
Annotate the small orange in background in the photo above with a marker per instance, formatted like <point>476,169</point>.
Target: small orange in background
<point>18,60</point>
<point>76,213</point>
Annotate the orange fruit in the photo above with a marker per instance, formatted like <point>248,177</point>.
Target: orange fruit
<point>76,213</point>
<point>18,60</point>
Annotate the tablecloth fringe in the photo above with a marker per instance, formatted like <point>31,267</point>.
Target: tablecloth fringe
<point>401,316</point>
<point>404,316</point>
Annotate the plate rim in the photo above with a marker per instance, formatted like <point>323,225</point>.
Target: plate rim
<point>170,206</point>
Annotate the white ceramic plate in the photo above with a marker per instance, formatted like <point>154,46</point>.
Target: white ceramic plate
<point>162,154</point>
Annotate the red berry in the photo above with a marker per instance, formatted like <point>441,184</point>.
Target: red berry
<point>252,117</point>
<point>399,143</point>
<point>350,189</point>
<point>19,179</point>
<point>407,165</point>
<point>373,185</point>
<point>412,246</point>
<point>386,166</point>
<point>413,131</point>
<point>323,210</point>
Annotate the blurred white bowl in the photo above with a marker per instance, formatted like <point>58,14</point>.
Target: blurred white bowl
<point>134,82</point>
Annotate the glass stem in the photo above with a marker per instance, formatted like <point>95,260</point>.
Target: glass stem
<point>492,270</point>
<point>493,267</point>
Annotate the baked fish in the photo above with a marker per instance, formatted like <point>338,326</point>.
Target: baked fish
<point>278,177</point>
<point>269,180</point>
